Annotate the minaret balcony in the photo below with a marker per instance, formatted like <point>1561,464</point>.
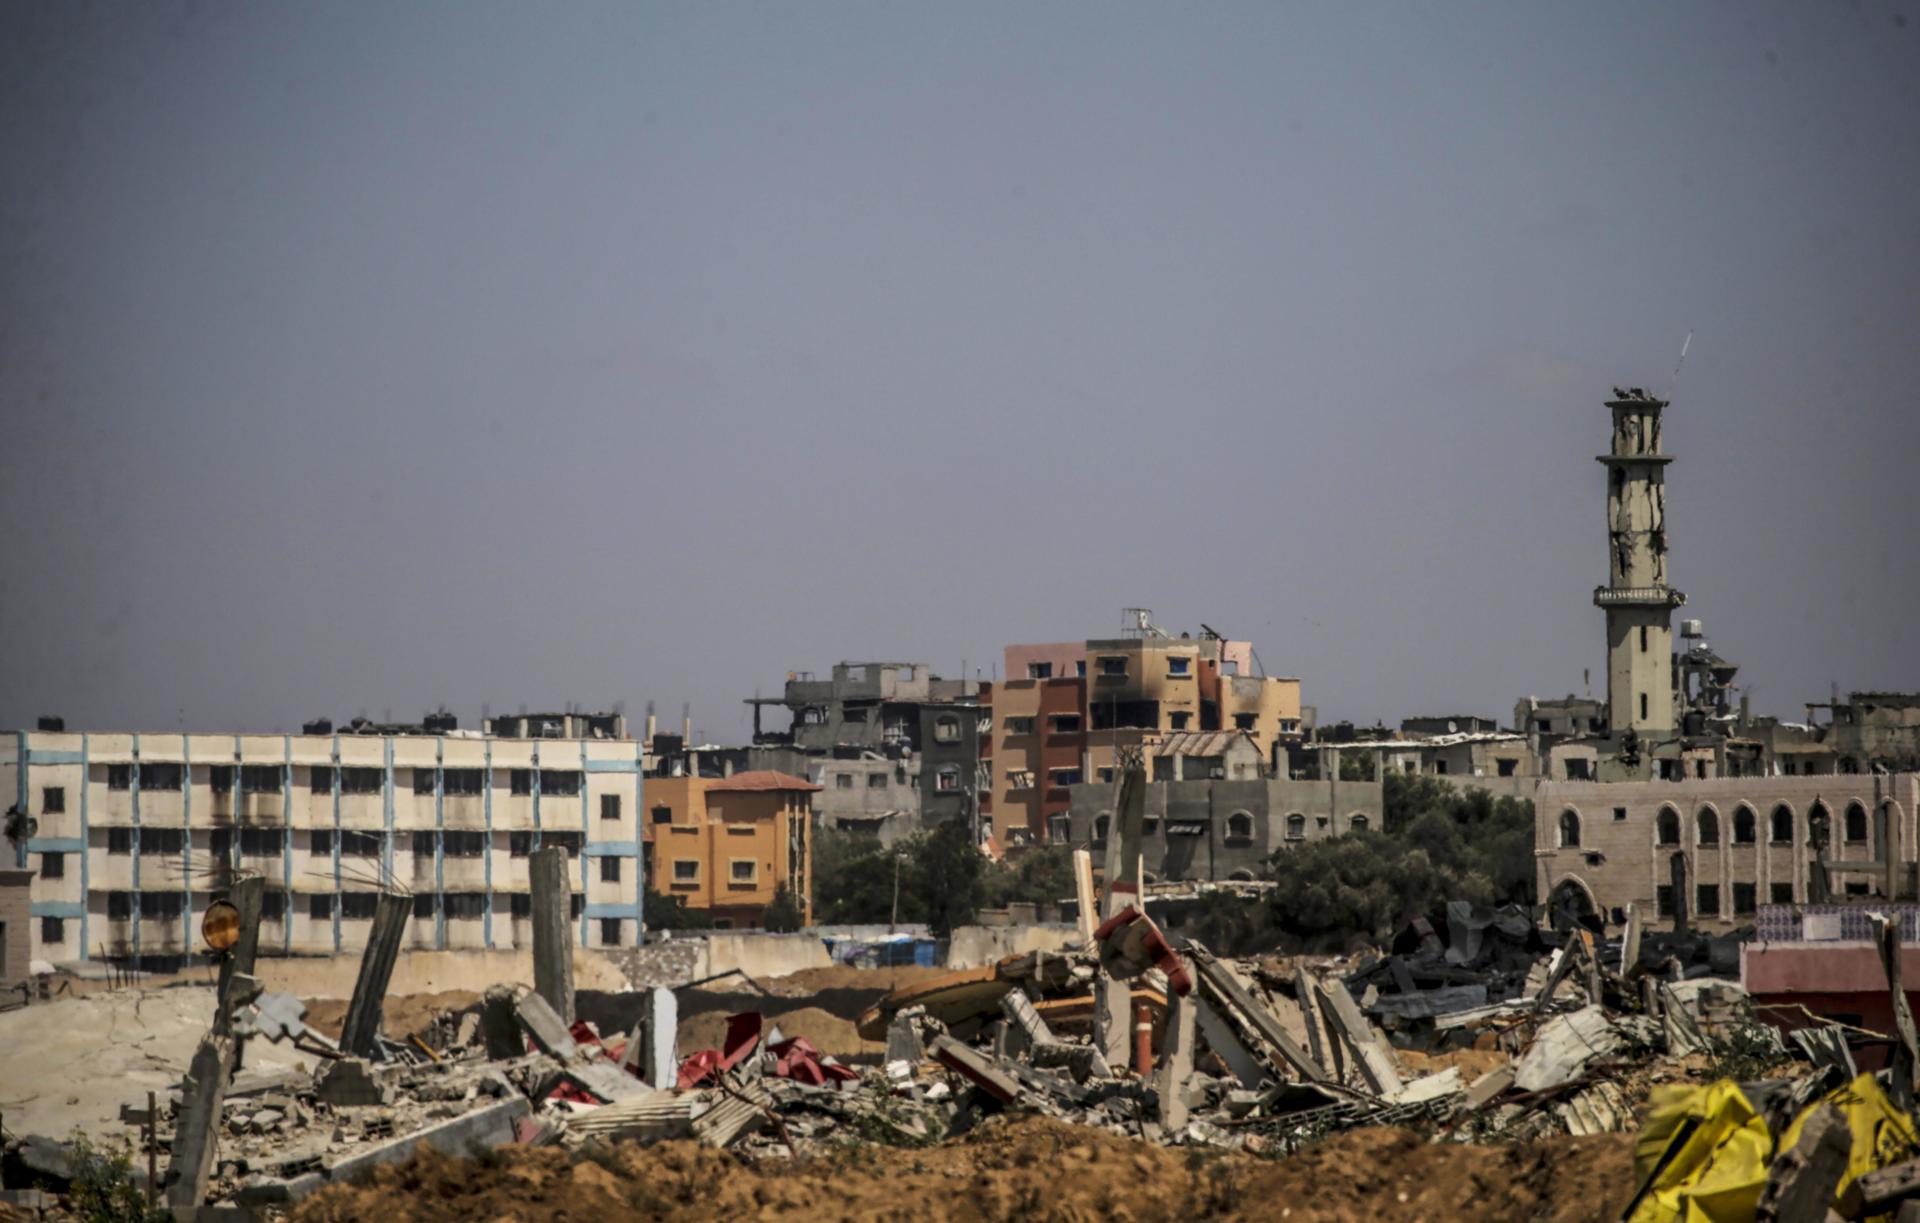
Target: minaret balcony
<point>1637,596</point>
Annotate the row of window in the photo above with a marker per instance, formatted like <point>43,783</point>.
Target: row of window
<point>1239,826</point>
<point>351,779</point>
<point>353,906</point>
<point>271,843</point>
<point>1855,829</point>
<point>740,870</point>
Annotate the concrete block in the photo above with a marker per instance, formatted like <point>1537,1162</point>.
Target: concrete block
<point>350,1083</point>
<point>545,1028</point>
<point>482,1129</point>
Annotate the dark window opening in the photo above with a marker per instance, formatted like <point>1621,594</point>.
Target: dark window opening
<point>520,904</point>
<point>53,866</point>
<point>162,841</point>
<point>520,781</point>
<point>119,840</point>
<point>53,800</point>
<point>260,779</point>
<point>1115,715</point>
<point>320,843</point>
<point>261,842</point>
<point>1663,900</point>
<point>362,781</point>
<point>663,815</point>
<point>273,906</point>
<point>1707,896</point>
<point>159,777</point>
<point>423,904</point>
<point>53,929</point>
<point>519,844</point>
<point>423,781</point>
<point>1743,826</point>
<point>466,905</point>
<point>320,779</point>
<point>1743,899</point>
<point>609,932</point>
<point>320,906</point>
<point>1506,766</point>
<point>119,906</point>
<point>162,904</point>
<point>119,777</point>
<point>462,782</point>
<point>565,783</point>
<point>362,844</point>
<point>609,869</point>
<point>220,778</point>
<point>609,806</point>
<point>1782,893</point>
<point>423,845</point>
<point>359,906</point>
<point>463,843</point>
<point>569,841</point>
<point>1179,720</point>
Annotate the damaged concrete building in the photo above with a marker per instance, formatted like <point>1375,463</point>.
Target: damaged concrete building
<point>131,835</point>
<point>1673,798</point>
<point>1065,709</point>
<point>894,748</point>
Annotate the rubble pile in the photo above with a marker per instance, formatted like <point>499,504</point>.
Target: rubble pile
<point>1137,1039</point>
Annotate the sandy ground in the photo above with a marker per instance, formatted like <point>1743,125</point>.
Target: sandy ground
<point>71,1063</point>
<point>1008,1169</point>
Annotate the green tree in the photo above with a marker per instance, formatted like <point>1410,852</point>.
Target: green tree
<point>853,878</point>
<point>948,875</point>
<point>671,913</point>
<point>1041,874</point>
<point>783,915</point>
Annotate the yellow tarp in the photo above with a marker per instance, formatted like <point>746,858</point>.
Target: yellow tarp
<point>1721,1148</point>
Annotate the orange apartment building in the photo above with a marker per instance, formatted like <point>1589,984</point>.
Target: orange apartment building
<point>1066,709</point>
<point>725,844</point>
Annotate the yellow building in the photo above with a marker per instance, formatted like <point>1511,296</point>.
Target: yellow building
<point>725,844</point>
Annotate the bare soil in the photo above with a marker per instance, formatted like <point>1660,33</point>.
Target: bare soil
<point>401,1016</point>
<point>1008,1169</point>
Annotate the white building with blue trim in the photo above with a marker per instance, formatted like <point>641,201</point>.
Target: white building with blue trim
<point>135,833</point>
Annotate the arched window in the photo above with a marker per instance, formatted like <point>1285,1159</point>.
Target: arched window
<point>1356,823</point>
<point>1667,826</point>
<point>1783,825</point>
<point>1099,827</point>
<point>1569,829</point>
<point>1296,827</point>
<point>1709,826</point>
<point>946,729</point>
<point>1856,822</point>
<point>1240,826</point>
<point>1242,876</point>
<point>1743,825</point>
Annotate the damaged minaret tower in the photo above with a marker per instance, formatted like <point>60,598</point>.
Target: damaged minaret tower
<point>1637,600</point>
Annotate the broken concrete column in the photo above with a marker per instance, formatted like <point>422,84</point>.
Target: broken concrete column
<point>1019,1011</point>
<point>497,1023</point>
<point>549,1033</point>
<point>360,1032</point>
<point>1225,1042</point>
<point>203,1094</point>
<point>1802,1182</point>
<point>1309,1015</point>
<point>650,1046</point>
<point>1376,1063</point>
<point>248,896</point>
<point>1176,1062</point>
<point>903,1037</point>
<point>1630,942</point>
<point>552,929</point>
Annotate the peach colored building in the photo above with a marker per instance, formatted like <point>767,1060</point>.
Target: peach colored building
<point>726,844</point>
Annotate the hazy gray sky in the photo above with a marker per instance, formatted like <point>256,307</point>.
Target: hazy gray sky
<point>359,357</point>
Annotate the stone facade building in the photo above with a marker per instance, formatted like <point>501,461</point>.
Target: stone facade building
<point>1745,841</point>
<point>137,832</point>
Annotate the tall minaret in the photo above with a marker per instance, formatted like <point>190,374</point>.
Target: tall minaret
<point>1638,602</point>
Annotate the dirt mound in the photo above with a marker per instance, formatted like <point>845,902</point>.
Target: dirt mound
<point>1020,1168</point>
<point>828,1032</point>
<point>401,1016</point>
<point>840,976</point>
